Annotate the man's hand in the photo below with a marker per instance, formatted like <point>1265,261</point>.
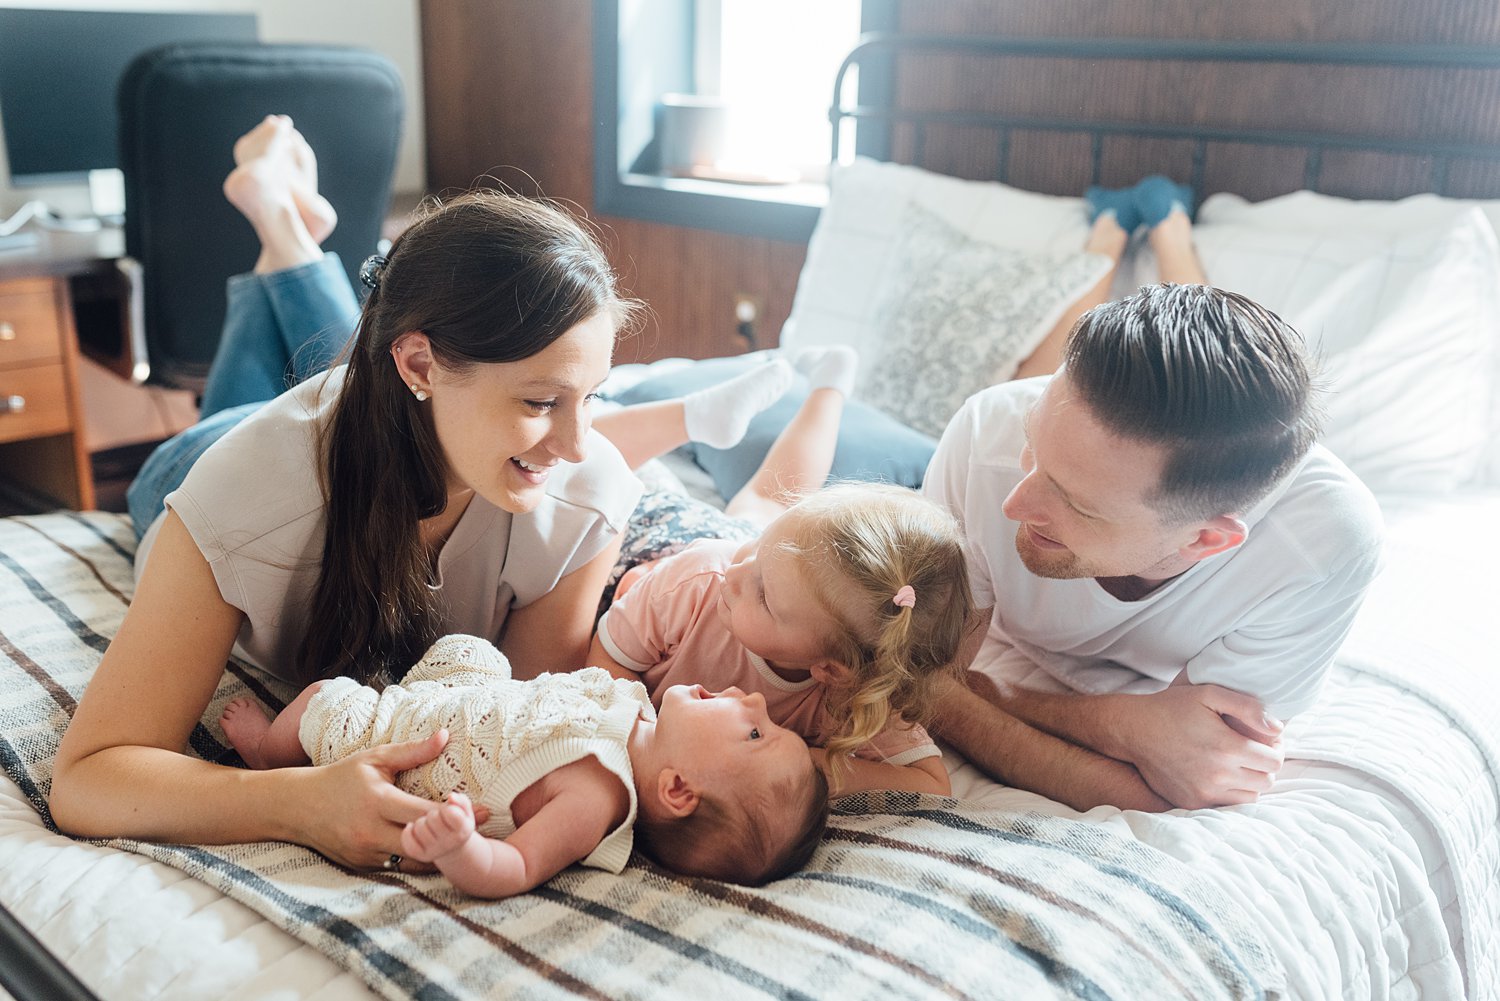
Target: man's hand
<point>1199,745</point>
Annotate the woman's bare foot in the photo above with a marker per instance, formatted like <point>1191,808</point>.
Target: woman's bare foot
<point>278,136</point>
<point>245,724</point>
<point>1107,237</point>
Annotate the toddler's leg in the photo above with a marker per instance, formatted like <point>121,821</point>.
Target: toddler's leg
<point>263,742</point>
<point>801,456</point>
<point>717,416</point>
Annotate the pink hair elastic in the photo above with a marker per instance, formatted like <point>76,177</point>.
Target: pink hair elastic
<point>906,597</point>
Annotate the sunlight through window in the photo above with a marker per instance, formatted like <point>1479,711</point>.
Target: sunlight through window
<point>769,65</point>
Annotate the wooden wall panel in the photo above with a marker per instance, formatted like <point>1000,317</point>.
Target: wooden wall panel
<point>509,86</point>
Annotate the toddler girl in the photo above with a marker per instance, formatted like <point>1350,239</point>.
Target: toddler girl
<point>567,765</point>
<point>844,612</point>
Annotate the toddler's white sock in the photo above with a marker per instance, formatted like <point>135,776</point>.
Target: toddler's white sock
<point>720,415</point>
<point>830,367</point>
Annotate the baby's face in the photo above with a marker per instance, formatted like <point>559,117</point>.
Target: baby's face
<point>722,737</point>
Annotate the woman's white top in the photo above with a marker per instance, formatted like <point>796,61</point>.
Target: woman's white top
<point>254,505</point>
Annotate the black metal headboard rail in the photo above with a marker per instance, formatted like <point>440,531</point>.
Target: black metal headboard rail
<point>1441,152</point>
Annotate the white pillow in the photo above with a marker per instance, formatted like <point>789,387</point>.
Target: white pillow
<point>960,315</point>
<point>855,254</point>
<point>1402,318</point>
<point>1310,212</point>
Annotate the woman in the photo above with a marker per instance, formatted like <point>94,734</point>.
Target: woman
<point>445,480</point>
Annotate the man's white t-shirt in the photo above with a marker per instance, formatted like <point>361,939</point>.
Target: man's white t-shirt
<point>1265,618</point>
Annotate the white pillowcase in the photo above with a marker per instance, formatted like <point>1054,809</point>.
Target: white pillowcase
<point>960,317</point>
<point>856,259</point>
<point>1309,212</point>
<point>1401,311</point>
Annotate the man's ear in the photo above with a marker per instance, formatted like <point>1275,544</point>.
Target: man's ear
<point>412,352</point>
<point>829,672</point>
<point>675,794</point>
<point>1217,535</point>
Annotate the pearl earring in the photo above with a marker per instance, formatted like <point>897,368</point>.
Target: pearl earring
<point>421,394</point>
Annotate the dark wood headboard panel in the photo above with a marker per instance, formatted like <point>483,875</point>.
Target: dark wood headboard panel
<point>1425,105</point>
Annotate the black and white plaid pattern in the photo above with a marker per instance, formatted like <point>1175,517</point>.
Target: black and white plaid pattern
<point>910,896</point>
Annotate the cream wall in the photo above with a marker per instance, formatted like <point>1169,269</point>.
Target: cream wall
<point>391,27</point>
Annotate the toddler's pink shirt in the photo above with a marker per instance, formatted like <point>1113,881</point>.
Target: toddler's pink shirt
<point>667,626</point>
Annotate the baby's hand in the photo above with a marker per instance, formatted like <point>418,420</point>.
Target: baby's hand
<point>442,830</point>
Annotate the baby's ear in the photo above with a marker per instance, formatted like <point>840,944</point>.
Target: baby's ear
<point>675,794</point>
<point>830,672</point>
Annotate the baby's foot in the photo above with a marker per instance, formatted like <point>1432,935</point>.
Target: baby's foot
<point>245,723</point>
<point>1119,202</point>
<point>719,416</point>
<point>440,831</point>
<point>828,368</point>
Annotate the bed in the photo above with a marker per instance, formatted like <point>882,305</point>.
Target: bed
<point>1371,871</point>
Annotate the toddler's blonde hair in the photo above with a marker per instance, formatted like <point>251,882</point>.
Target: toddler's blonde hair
<point>859,544</point>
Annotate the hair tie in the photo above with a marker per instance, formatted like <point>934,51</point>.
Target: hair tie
<point>906,597</point>
<point>369,272</point>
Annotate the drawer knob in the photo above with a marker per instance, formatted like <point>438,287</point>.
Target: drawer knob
<point>12,404</point>
<point>7,332</point>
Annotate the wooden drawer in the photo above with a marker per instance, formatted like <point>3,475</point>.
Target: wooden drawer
<point>29,327</point>
<point>44,390</point>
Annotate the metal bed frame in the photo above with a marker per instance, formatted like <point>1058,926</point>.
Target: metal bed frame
<point>28,970</point>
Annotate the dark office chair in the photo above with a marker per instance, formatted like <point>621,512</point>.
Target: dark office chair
<point>181,109</point>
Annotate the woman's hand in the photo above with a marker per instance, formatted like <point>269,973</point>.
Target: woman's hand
<point>358,811</point>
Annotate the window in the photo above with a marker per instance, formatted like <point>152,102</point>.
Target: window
<point>714,113</point>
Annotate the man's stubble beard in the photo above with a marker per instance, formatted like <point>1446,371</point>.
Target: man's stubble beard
<point>1063,565</point>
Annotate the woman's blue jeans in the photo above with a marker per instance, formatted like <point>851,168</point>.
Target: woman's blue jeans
<point>279,328</point>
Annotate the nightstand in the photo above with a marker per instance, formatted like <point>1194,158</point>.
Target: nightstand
<point>42,446</point>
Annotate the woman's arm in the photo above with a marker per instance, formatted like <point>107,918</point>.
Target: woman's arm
<point>858,774</point>
<point>552,633</point>
<point>121,769</point>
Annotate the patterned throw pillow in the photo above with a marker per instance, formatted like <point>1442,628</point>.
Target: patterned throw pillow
<point>961,317</point>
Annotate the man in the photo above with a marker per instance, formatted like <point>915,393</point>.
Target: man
<point>1164,560</point>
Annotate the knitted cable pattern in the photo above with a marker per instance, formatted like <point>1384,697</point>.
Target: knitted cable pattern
<point>463,683</point>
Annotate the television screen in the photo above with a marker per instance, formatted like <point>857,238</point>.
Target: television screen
<point>58,72</point>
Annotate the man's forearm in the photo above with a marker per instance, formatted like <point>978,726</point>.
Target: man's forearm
<point>1013,752</point>
<point>1088,721</point>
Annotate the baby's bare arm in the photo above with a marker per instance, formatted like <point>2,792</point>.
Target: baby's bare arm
<point>583,808</point>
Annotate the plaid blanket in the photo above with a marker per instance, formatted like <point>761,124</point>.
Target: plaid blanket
<point>909,897</point>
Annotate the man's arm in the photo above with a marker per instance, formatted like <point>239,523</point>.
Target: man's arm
<point>1012,752</point>
<point>1195,745</point>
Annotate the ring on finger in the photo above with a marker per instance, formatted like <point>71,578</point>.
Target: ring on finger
<point>391,864</point>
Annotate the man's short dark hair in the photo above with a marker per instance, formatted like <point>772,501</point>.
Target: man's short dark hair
<point>1220,381</point>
